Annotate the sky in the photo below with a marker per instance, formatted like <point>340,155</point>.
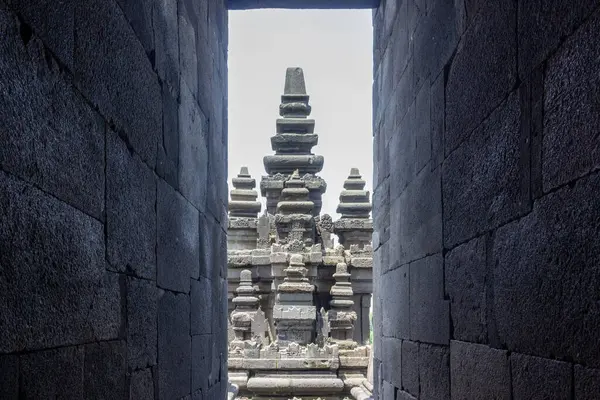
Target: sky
<point>334,48</point>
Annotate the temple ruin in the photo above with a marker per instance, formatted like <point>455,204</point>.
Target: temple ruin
<point>298,303</point>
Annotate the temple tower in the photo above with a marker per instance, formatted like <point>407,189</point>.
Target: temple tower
<point>292,144</point>
<point>243,210</point>
<point>355,227</point>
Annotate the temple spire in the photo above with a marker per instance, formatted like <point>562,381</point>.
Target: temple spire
<point>243,197</point>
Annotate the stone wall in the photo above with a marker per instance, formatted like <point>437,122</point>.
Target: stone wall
<point>486,207</point>
<point>113,203</point>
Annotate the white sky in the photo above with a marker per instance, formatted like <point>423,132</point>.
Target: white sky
<point>334,47</point>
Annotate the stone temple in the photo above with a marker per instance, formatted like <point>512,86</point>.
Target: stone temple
<point>298,304</point>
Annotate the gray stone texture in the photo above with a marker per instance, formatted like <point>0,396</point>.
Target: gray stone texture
<point>47,127</point>
<point>141,386</point>
<point>571,118</point>
<point>434,372</point>
<point>130,211</point>
<point>537,378</point>
<point>115,74</point>
<point>478,372</point>
<point>410,367</point>
<point>142,298</point>
<point>392,360</point>
<point>465,283</point>
<point>546,264</point>
<point>486,180</point>
<point>174,345</point>
<point>395,295</point>
<point>9,377</point>
<point>64,380</point>
<point>178,242</point>
<point>104,371</point>
<point>586,383</point>
<point>483,71</point>
<point>201,313</point>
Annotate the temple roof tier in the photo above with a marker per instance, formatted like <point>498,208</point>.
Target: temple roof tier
<point>243,197</point>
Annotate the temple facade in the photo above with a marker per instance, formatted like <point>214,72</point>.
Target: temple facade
<point>298,303</point>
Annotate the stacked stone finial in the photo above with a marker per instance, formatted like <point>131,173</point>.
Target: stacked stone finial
<point>294,219</point>
<point>355,227</point>
<point>243,197</point>
<point>293,143</point>
<point>246,304</point>
<point>294,312</point>
<point>341,316</point>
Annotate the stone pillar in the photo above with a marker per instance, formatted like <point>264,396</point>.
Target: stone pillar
<point>243,209</point>
<point>246,305</point>
<point>355,227</point>
<point>341,316</point>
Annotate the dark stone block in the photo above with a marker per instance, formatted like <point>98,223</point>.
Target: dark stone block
<point>193,151</point>
<point>537,378</point>
<point>483,71</point>
<point>141,386</point>
<point>402,395</point>
<point>465,271</point>
<point>116,75</point>
<point>547,264</point>
<point>410,367</point>
<point>434,372</point>
<point>130,211</point>
<point>395,296</point>
<point>139,15</point>
<point>437,111</point>
<point>106,312</point>
<point>405,93</point>
<point>587,383</point>
<point>416,218</point>
<point>174,345</point>
<point>50,136</point>
<point>435,39</point>
<point>422,127</point>
<point>54,25</point>
<point>392,360</point>
<point>166,41</point>
<point>571,121</point>
<point>178,240</point>
<point>141,323</point>
<point>399,43</point>
<point>52,374</point>
<point>188,63</point>
<point>402,152</point>
<point>486,181</point>
<point>105,371</point>
<point>388,391</point>
<point>201,348</point>
<point>429,312</point>
<point>9,377</point>
<point>478,372</point>
<point>201,298</point>
<point>167,163</point>
<point>52,263</point>
<point>542,26</point>
<point>209,238</point>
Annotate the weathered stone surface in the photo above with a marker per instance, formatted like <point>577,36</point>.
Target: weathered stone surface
<point>193,151</point>
<point>174,345</point>
<point>188,63</point>
<point>429,312</point>
<point>434,372</point>
<point>130,211</point>
<point>104,371</point>
<point>55,254</point>
<point>437,107</point>
<point>392,360</point>
<point>402,154</point>
<point>167,162</point>
<point>51,374</point>
<point>9,377</point>
<point>388,391</point>
<point>422,127</point>
<point>166,42</point>
<point>141,386</point>
<point>201,298</point>
<point>178,252</point>
<point>486,181</point>
<point>483,71</point>
<point>142,298</point>
<point>465,273</point>
<point>133,99</point>
<point>587,383</point>
<point>478,372</point>
<point>537,378</point>
<point>395,295</point>
<point>410,367</point>
<point>546,264</point>
<point>139,15</point>
<point>416,218</point>
<point>543,25</point>
<point>201,357</point>
<point>571,119</point>
<point>47,127</point>
<point>105,315</point>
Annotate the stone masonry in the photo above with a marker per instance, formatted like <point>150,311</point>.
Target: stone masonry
<point>113,167</point>
<point>486,207</point>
